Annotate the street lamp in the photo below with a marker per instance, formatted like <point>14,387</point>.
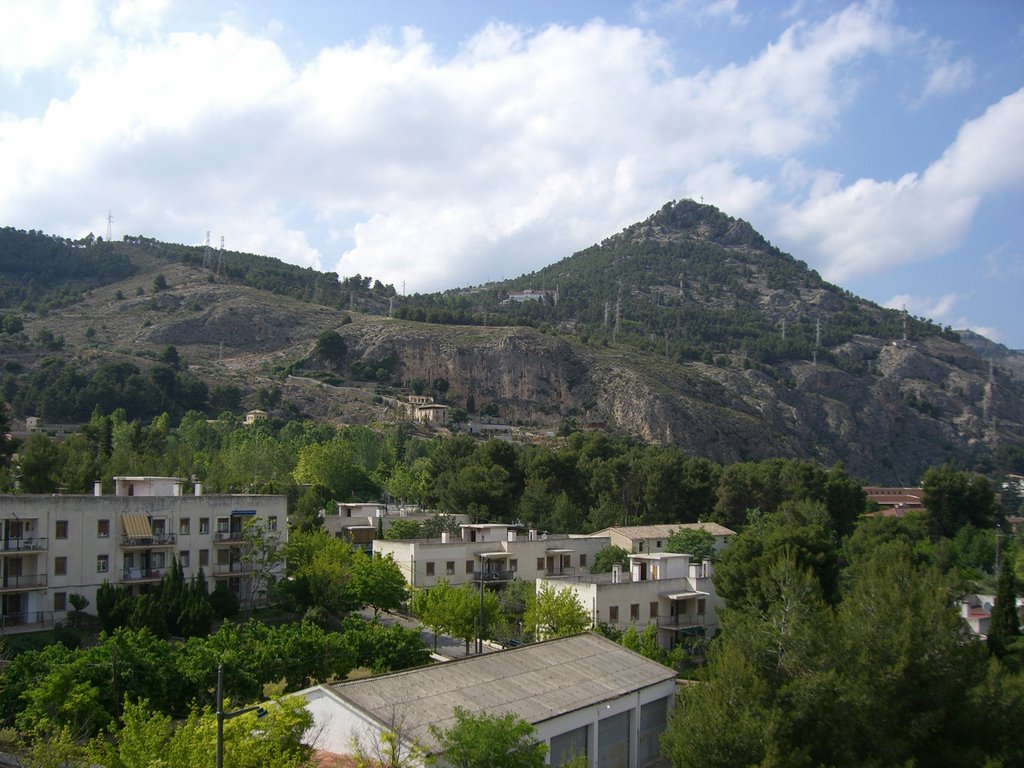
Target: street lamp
<point>222,715</point>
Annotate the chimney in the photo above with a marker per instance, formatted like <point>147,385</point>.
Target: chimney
<point>198,488</point>
<point>97,488</point>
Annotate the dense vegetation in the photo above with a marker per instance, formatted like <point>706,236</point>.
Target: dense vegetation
<point>41,272</point>
<point>687,283</point>
<point>823,644</point>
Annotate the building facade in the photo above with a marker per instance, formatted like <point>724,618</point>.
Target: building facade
<point>660,589</point>
<point>491,553</point>
<point>54,546</point>
<point>654,538</point>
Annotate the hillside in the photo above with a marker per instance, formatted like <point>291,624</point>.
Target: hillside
<point>687,328</point>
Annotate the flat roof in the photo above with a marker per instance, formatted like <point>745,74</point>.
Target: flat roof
<point>535,682</point>
<point>664,531</point>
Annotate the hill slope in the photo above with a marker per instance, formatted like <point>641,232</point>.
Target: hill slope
<point>688,328</point>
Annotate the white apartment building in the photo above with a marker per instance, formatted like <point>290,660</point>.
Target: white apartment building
<point>654,538</point>
<point>492,553</point>
<point>662,589</point>
<point>360,522</point>
<point>55,546</point>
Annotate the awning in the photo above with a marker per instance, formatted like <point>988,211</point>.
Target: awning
<point>243,512</point>
<point>559,551</point>
<point>492,555</point>
<point>137,526</point>
<point>685,595</point>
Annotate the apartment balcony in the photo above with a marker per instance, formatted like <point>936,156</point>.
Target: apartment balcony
<point>31,621</point>
<point>23,583</point>
<point>28,544</point>
<point>142,575</point>
<point>493,576</point>
<point>558,572</point>
<point>228,537</point>
<point>151,541</point>
<point>224,569</point>
<point>682,621</point>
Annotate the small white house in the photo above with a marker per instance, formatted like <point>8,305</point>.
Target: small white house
<point>584,695</point>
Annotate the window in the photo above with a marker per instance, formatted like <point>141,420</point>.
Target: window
<point>449,568</point>
<point>583,561</point>
<point>613,614</point>
<point>469,566</point>
<point>183,558</point>
<point>204,525</point>
<point>62,529</point>
<point>658,543</point>
<point>654,609</point>
<point>223,557</point>
<point>272,523</point>
<point>60,601</point>
<point>430,569</point>
<point>204,557</point>
<point>102,563</point>
<point>60,566</point>
<point>183,525</point>
<point>634,612</point>
<point>157,559</point>
<point>223,525</point>
<point>103,529</point>
<point>513,565</point>
<point>540,563</point>
<point>700,605</point>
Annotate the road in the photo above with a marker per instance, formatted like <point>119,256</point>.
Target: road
<point>449,647</point>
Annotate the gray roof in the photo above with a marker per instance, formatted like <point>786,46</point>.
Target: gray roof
<point>664,531</point>
<point>535,682</point>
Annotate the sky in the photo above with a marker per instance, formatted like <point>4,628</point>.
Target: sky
<point>436,145</point>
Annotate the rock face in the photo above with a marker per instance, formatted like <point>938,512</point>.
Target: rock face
<point>917,404</point>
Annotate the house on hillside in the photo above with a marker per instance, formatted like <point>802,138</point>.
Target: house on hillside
<point>661,589</point>
<point>894,502</point>
<point>256,415</point>
<point>585,695</point>
<point>431,413</point>
<point>654,538</point>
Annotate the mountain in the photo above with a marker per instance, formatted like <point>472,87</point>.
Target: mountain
<point>688,328</point>
<point>1010,360</point>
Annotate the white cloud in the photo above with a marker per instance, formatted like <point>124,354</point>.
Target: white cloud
<point>870,226</point>
<point>453,170</point>
<point>648,10</point>
<point>45,33</point>
<point>949,77</point>
<point>137,18</point>
<point>935,309</point>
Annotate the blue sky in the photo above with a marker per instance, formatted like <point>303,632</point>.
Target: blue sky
<point>445,144</point>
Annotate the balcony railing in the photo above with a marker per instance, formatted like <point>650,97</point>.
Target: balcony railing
<point>223,568</point>
<point>494,575</point>
<point>31,581</point>
<point>143,574</point>
<point>28,544</point>
<point>35,618</point>
<point>156,540</point>
<point>683,620</point>
<point>556,571</point>
<point>225,537</point>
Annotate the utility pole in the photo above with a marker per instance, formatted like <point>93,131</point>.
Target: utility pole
<point>222,715</point>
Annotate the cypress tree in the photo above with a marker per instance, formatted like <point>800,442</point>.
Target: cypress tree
<point>1004,628</point>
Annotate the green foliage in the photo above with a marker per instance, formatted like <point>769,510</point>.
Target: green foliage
<point>792,682</point>
<point>319,569</point>
<point>608,556</point>
<point>696,542</point>
<point>457,610</point>
<point>1004,629</point>
<point>404,529</point>
<point>377,582</point>
<point>801,532</point>
<point>554,612</point>
<point>955,498</point>
<point>489,741</point>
